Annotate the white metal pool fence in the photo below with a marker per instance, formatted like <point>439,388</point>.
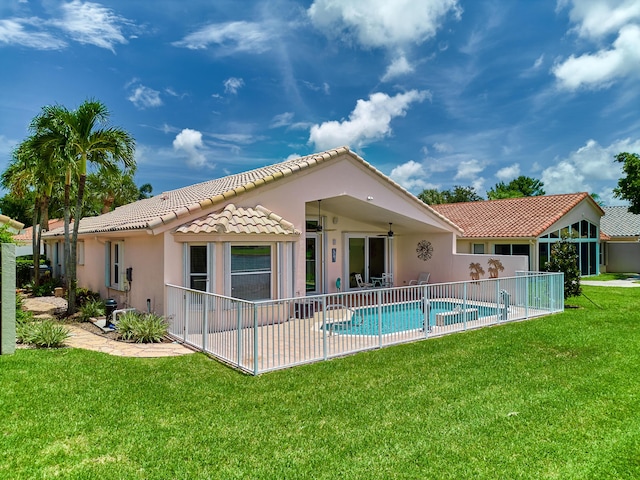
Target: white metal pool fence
<point>258,337</point>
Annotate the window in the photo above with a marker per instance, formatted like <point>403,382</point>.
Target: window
<point>80,253</point>
<point>478,248</point>
<point>585,235</point>
<point>114,265</point>
<point>251,272</point>
<point>502,249</point>
<point>198,267</point>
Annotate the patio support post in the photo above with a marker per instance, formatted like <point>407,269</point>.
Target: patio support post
<point>255,339</point>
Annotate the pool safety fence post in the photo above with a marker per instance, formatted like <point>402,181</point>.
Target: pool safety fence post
<point>324,327</point>
<point>8,298</point>
<point>426,307</point>
<point>238,332</point>
<point>464,305</point>
<point>379,300</point>
<point>205,323</point>
<point>255,339</point>
<point>187,314</point>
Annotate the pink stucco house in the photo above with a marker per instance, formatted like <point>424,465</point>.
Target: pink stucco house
<point>307,225</point>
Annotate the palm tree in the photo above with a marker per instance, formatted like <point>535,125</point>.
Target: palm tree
<point>109,188</point>
<point>32,171</point>
<point>81,137</point>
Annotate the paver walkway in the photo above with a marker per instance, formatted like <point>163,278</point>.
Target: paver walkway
<point>81,338</point>
<point>630,282</point>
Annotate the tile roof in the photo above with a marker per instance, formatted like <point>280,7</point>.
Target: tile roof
<point>619,222</point>
<point>26,234</point>
<point>232,219</point>
<point>510,217</point>
<point>169,206</point>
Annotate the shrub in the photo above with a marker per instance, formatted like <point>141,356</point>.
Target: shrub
<point>84,295</point>
<point>45,334</point>
<point>46,288</point>
<point>92,308</point>
<point>142,328</point>
<point>564,258</point>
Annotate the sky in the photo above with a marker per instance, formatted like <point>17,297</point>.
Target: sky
<point>434,93</point>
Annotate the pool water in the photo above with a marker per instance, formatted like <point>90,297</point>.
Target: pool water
<point>401,317</point>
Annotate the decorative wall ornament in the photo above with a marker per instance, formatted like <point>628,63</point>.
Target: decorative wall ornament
<point>424,250</point>
<point>495,266</point>
<point>476,270</point>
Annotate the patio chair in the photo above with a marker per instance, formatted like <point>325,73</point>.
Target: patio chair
<point>423,279</point>
<point>387,280</point>
<point>361,283</point>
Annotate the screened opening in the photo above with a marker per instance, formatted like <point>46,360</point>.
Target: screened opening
<point>251,272</point>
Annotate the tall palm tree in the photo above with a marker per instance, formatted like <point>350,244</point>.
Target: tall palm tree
<point>81,137</point>
<point>109,188</point>
<point>31,170</point>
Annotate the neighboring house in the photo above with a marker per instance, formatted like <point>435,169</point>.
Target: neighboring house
<point>25,238</point>
<point>284,230</point>
<point>529,226</point>
<point>622,247</point>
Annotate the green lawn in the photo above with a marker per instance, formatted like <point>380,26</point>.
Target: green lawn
<point>557,397</point>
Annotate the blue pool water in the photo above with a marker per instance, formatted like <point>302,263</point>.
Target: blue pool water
<point>401,317</point>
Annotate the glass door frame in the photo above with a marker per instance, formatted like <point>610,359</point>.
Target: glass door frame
<point>367,237</point>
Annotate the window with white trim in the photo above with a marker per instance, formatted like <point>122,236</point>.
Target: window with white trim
<point>251,272</point>
<point>80,253</point>
<point>114,275</point>
<point>198,267</point>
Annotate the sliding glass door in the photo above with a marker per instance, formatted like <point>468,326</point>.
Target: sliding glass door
<point>367,256</point>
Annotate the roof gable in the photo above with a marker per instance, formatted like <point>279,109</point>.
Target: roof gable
<point>511,217</point>
<point>169,207</point>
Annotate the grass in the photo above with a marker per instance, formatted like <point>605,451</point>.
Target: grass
<point>556,397</point>
<point>605,277</point>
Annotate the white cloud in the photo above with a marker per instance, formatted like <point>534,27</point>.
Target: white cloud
<point>145,97</point>
<point>400,66</point>
<point>605,66</point>
<point>13,32</point>
<point>380,23</point>
<point>369,121</point>
<point>247,37</point>
<point>232,85</point>
<point>469,170</point>
<point>282,120</point>
<point>190,142</point>
<point>596,19</point>
<point>411,175</point>
<point>508,173</point>
<point>538,63</point>
<point>91,23</point>
<point>442,147</point>
<point>587,167</point>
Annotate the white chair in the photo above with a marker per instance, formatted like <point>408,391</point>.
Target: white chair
<point>423,279</point>
<point>361,283</point>
<point>387,280</point>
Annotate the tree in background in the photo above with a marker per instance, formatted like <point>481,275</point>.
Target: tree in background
<point>629,186</point>
<point>109,188</point>
<point>458,194</point>
<point>519,187</point>
<point>564,258</point>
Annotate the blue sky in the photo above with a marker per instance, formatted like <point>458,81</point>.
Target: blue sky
<point>434,93</point>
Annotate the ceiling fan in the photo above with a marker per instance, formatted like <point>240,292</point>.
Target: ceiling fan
<point>389,234</point>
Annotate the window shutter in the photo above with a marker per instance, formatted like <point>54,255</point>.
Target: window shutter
<point>107,264</point>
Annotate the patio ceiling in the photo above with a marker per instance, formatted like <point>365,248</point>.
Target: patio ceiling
<point>375,215</point>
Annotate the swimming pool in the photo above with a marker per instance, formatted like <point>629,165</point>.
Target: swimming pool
<point>407,316</point>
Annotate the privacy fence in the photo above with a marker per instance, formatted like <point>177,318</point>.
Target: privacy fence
<point>258,337</point>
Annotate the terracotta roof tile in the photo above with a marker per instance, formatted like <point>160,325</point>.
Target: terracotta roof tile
<point>511,217</point>
<point>238,220</point>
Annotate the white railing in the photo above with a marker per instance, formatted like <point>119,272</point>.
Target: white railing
<point>257,337</point>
